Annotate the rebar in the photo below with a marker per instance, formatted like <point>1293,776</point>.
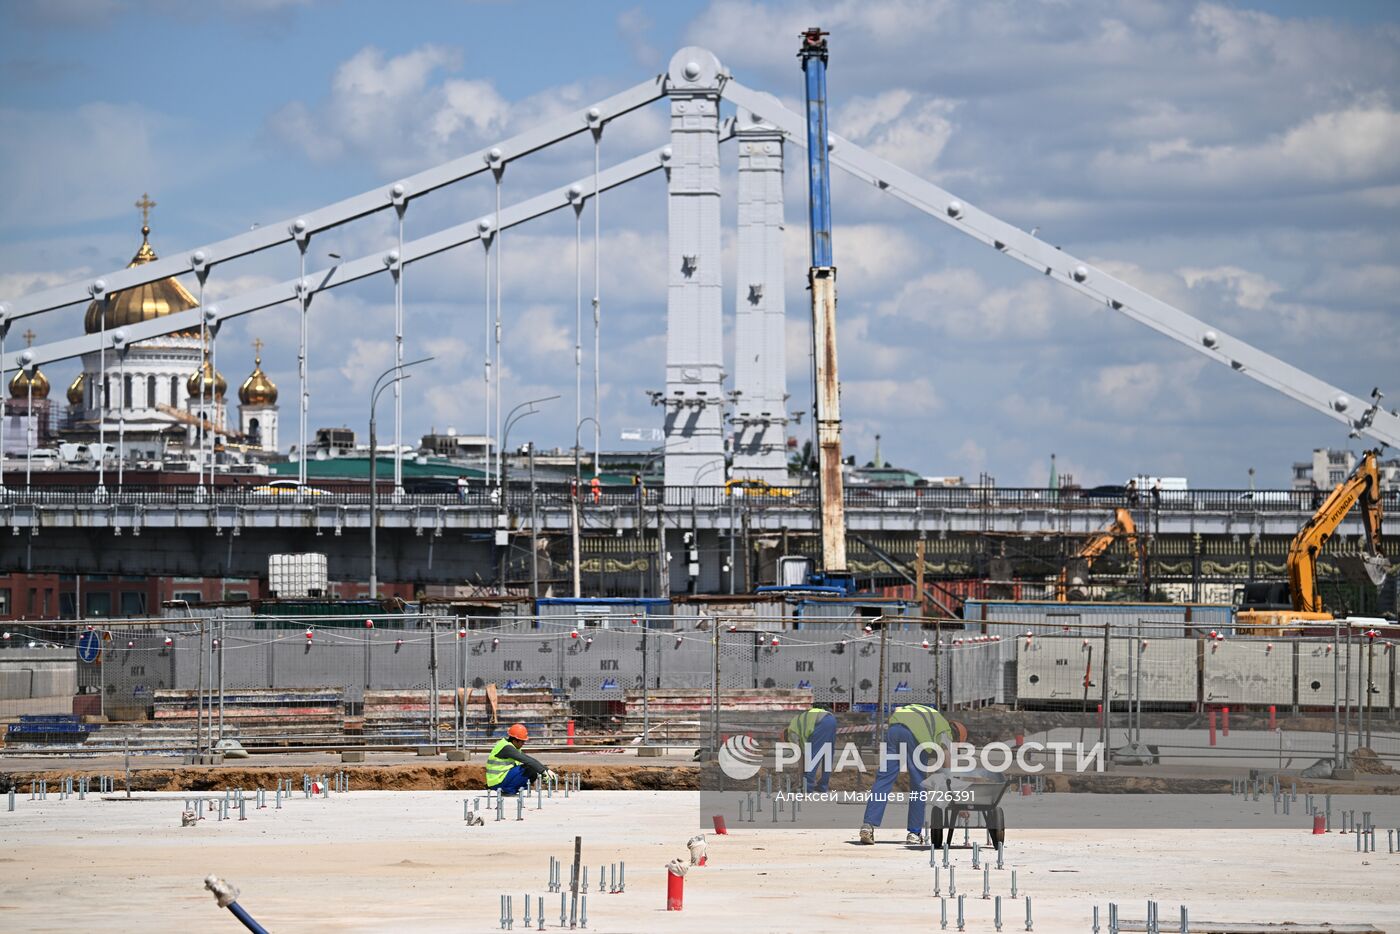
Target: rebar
<point>986,881</point>
<point>612,879</point>
<point>539,796</point>
<point>242,809</point>
<point>583,912</point>
<point>519,807</point>
<point>11,797</point>
<point>500,808</point>
<point>936,886</point>
<point>952,881</point>
<point>540,914</point>
<point>584,887</point>
<point>976,856</point>
<point>1013,883</point>
<point>503,912</point>
<point>1096,915</point>
<point>1001,852</point>
<point>1030,924</point>
<point>563,905</point>
<point>1112,918</point>
<point>621,876</point>
<point>1185,922</point>
<point>527,911</point>
<point>943,913</point>
<point>962,926</point>
<point>996,917</point>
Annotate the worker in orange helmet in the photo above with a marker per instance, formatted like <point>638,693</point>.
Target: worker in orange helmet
<point>507,768</point>
<point>595,487</point>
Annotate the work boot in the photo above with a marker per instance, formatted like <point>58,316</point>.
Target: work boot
<point>913,839</point>
<point>867,834</point>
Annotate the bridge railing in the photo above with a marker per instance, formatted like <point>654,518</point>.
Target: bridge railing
<point>518,497</point>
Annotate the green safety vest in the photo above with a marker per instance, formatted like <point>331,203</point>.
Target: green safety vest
<point>497,767</point>
<point>802,725</point>
<point>926,723</point>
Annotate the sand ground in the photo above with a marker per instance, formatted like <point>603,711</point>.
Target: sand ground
<point>405,861</point>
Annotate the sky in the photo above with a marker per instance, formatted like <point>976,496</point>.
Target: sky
<point>1237,159</point>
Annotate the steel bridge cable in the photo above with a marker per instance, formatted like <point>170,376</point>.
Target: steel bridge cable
<point>302,367</point>
<point>486,341</point>
<point>597,306</point>
<point>499,364</point>
<point>578,319</point>
<point>199,382</point>
<point>4,384</point>
<point>102,396</point>
<point>398,364</point>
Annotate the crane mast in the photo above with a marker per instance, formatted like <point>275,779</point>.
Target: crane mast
<point>821,279</point>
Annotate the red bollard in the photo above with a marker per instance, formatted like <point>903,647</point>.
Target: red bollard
<point>1225,720</point>
<point>1319,825</point>
<point>1025,791</point>
<point>719,825</point>
<point>569,731</point>
<point>1273,722</point>
<point>1020,739</point>
<point>1100,715</point>
<point>675,891</point>
<point>1212,727</point>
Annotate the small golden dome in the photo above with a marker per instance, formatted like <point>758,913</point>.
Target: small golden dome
<point>75,390</point>
<point>257,389</point>
<point>143,302</point>
<point>207,376</point>
<point>20,385</point>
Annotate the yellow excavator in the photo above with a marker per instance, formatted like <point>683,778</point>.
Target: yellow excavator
<point>1270,608</point>
<point>1121,527</point>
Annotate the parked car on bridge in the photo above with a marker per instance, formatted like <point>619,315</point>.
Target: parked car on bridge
<point>755,488</point>
<point>287,488</point>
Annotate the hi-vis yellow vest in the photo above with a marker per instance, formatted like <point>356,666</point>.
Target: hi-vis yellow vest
<point>926,723</point>
<point>802,725</point>
<point>497,767</point>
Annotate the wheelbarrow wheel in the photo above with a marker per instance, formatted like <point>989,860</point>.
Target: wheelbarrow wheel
<point>996,827</point>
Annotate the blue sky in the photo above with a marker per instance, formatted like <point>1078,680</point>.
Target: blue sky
<point>1235,159</point>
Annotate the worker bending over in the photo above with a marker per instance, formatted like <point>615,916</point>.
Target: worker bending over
<point>507,768</point>
<point>815,731</point>
<point>909,727</point>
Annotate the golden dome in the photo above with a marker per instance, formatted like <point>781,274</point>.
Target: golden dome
<point>143,302</point>
<point>206,375</point>
<point>257,389</point>
<point>75,390</point>
<point>20,385</point>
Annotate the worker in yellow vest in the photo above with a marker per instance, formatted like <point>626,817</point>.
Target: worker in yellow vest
<point>909,727</point>
<point>815,731</point>
<point>507,768</point>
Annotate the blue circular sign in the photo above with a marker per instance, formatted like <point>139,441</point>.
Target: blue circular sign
<point>89,646</point>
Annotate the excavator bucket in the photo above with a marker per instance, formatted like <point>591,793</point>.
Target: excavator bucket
<point>1377,568</point>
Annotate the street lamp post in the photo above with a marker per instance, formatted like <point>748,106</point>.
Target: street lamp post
<point>502,489</point>
<point>397,372</point>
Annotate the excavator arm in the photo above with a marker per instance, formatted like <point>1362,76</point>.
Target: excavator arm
<point>1122,526</point>
<point>1362,486</point>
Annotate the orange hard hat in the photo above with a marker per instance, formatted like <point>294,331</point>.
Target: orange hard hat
<point>518,731</point>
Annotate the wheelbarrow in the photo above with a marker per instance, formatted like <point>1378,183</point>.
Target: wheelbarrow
<point>952,796</point>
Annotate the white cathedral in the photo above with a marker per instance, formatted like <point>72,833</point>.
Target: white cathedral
<point>162,397</point>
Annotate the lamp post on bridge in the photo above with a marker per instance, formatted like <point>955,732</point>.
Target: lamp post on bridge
<point>397,371</point>
<point>502,489</point>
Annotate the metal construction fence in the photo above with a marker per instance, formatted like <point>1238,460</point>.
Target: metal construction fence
<point>424,679</point>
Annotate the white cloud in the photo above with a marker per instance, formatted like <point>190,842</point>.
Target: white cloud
<point>1355,146</point>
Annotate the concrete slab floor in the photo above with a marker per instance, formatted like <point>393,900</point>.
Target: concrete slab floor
<point>406,861</point>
